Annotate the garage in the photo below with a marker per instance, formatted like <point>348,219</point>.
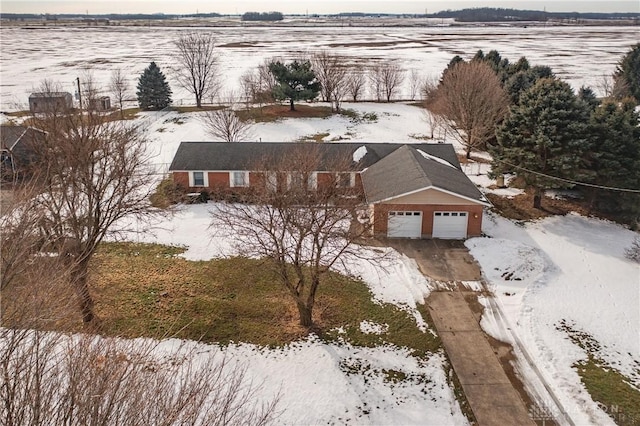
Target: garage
<point>450,225</point>
<point>404,224</point>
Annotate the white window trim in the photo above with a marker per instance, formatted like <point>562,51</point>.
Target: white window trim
<point>271,181</point>
<point>312,183</point>
<point>312,180</point>
<point>352,179</point>
<point>205,176</point>
<point>246,179</point>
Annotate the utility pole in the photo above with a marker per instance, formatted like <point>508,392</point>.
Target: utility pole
<point>79,92</point>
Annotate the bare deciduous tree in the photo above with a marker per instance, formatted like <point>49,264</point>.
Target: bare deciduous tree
<point>375,80</point>
<point>92,174</point>
<point>331,72</point>
<point>257,86</point>
<point>472,101</point>
<point>34,285</point>
<point>198,65</point>
<point>392,77</point>
<point>386,79</point>
<point>301,222</point>
<point>225,123</point>
<point>416,84</point>
<point>90,89</point>
<point>50,378</point>
<point>119,87</point>
<point>355,84</point>
<point>428,91</point>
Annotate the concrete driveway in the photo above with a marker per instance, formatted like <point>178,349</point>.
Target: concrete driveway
<point>442,260</point>
<point>491,395</point>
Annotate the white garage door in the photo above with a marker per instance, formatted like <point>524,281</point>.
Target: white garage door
<point>452,225</point>
<point>404,224</point>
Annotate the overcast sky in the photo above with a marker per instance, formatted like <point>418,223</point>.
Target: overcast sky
<point>304,6</point>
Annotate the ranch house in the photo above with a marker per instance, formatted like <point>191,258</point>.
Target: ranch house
<point>411,190</point>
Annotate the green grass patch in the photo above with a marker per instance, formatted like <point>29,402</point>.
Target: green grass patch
<point>271,113</point>
<point>127,114</point>
<point>148,290</point>
<point>187,109</point>
<point>610,389</point>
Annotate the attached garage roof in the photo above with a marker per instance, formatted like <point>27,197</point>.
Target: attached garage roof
<point>410,169</point>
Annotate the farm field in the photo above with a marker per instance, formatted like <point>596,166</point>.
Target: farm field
<point>580,55</point>
<point>572,277</point>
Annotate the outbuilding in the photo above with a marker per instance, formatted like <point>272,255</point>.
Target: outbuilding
<point>50,102</point>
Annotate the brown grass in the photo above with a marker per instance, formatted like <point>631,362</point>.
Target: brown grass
<point>520,207</point>
<point>186,109</point>
<point>146,290</point>
<point>270,113</point>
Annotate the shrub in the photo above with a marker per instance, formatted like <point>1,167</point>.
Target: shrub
<point>167,193</point>
<point>633,252</point>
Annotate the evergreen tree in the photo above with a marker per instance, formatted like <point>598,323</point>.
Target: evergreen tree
<point>547,132</point>
<point>588,96</point>
<point>296,81</point>
<point>627,75</point>
<point>615,157</point>
<point>153,90</point>
<point>522,80</point>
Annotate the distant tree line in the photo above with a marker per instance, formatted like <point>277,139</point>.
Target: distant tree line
<point>110,16</point>
<point>264,16</point>
<point>490,14</point>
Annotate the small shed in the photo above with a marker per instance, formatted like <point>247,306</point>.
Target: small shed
<point>102,103</point>
<point>50,101</point>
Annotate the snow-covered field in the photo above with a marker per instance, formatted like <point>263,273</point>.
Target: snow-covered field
<point>581,55</point>
<point>563,268</point>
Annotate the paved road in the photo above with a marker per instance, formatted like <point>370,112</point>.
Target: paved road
<point>492,397</point>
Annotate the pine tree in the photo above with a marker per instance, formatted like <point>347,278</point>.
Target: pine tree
<point>547,132</point>
<point>615,156</point>
<point>296,81</point>
<point>522,80</point>
<point>153,90</point>
<point>627,75</point>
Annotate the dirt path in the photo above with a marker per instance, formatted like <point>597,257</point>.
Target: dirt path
<point>491,394</point>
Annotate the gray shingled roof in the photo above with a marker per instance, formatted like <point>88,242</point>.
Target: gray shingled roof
<point>50,95</point>
<point>406,170</point>
<point>19,137</point>
<point>245,155</point>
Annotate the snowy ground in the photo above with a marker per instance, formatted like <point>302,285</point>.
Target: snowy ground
<point>581,55</point>
<point>565,270</point>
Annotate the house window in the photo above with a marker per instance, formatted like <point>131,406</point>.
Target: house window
<point>239,179</point>
<point>198,179</point>
<point>297,180</point>
<point>346,180</point>
<point>272,181</point>
<point>312,181</point>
